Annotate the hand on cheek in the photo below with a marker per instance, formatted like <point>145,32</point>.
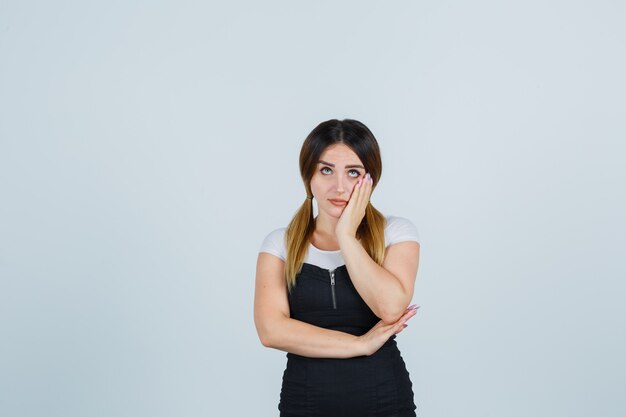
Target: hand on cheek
<point>354,211</point>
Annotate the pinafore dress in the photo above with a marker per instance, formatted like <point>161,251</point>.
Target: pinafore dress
<point>364,386</point>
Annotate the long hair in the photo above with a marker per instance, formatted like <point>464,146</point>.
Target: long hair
<point>371,231</point>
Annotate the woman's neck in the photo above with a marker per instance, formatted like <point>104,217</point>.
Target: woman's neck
<point>325,226</point>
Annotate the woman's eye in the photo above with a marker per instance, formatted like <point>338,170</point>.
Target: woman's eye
<point>352,171</point>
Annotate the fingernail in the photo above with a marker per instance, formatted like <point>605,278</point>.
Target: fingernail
<point>411,306</point>
<point>409,315</point>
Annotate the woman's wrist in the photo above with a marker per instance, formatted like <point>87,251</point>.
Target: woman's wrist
<point>341,238</point>
<point>359,346</point>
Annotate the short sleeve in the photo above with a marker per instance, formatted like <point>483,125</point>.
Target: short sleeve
<point>274,243</point>
<point>400,229</point>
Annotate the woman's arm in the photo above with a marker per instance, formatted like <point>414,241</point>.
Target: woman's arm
<point>386,289</point>
<point>277,330</point>
<point>304,339</point>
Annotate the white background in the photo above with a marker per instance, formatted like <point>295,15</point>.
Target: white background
<point>147,148</point>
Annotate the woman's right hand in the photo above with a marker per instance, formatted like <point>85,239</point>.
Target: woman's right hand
<point>371,341</point>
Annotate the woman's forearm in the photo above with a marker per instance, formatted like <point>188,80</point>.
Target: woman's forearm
<point>304,339</point>
<point>380,289</point>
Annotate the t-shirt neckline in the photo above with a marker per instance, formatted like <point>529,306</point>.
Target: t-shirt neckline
<point>321,250</point>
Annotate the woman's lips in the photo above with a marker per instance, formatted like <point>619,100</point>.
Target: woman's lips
<point>338,202</point>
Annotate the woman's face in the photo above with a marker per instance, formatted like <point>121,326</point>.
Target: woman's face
<point>337,172</point>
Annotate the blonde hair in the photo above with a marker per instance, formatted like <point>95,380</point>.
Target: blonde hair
<point>371,231</point>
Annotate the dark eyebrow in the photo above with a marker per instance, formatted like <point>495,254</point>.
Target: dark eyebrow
<point>347,166</point>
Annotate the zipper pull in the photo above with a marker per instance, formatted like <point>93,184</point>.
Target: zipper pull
<point>332,287</point>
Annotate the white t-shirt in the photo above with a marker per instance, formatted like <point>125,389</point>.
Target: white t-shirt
<point>398,229</point>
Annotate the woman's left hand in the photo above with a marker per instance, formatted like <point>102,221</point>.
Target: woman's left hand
<point>354,211</point>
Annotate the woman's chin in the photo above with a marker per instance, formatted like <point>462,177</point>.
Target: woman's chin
<point>336,211</point>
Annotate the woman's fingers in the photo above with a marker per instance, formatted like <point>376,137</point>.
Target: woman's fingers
<point>367,192</point>
<point>363,188</point>
<point>401,324</point>
<point>407,316</point>
<point>410,312</point>
<point>402,327</point>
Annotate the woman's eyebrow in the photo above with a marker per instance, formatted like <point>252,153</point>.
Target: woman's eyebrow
<point>347,166</point>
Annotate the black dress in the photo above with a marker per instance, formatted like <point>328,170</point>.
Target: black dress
<point>365,386</point>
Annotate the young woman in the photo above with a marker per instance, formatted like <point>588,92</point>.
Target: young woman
<point>334,291</point>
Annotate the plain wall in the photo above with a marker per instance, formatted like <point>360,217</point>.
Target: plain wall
<point>147,148</point>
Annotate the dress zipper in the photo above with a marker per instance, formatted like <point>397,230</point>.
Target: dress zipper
<point>332,287</point>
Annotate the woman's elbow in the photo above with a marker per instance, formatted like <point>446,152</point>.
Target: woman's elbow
<point>264,335</point>
<point>269,331</point>
<point>391,315</point>
<point>265,341</point>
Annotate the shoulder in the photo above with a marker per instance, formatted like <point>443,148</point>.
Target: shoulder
<point>400,229</point>
<point>274,243</point>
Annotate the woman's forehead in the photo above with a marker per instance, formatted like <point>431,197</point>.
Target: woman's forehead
<point>340,154</point>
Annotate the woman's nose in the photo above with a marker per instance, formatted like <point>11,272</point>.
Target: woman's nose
<point>341,184</point>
